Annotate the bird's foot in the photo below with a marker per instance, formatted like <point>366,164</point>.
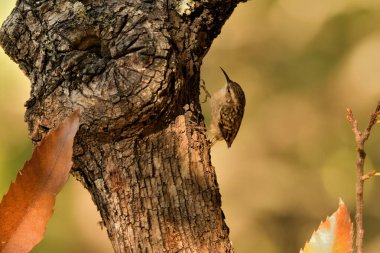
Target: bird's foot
<point>203,86</point>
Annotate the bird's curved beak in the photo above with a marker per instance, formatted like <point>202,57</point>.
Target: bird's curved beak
<point>225,74</point>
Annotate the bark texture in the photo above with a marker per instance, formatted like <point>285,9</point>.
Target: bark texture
<point>132,67</point>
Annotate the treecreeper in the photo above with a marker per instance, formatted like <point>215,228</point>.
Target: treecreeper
<point>227,111</point>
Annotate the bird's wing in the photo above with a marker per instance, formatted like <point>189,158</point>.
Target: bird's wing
<point>229,122</point>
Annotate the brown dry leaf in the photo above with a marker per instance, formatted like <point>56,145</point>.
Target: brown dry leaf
<point>28,205</point>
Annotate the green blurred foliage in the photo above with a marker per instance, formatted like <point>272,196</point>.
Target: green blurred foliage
<point>13,92</point>
<point>301,63</point>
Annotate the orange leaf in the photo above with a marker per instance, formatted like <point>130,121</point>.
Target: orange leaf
<point>28,205</point>
<point>335,235</point>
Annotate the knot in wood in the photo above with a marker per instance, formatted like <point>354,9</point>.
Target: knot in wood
<point>109,59</point>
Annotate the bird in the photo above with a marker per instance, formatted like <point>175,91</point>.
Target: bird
<point>227,111</point>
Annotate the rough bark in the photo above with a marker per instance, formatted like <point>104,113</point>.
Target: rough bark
<point>133,68</point>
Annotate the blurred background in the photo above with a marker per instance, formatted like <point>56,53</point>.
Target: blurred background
<point>301,63</point>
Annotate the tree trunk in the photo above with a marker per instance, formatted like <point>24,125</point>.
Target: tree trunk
<point>133,69</point>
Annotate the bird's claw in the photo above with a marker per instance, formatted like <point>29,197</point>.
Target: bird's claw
<point>208,95</point>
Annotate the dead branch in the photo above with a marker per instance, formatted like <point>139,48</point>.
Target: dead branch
<point>360,139</point>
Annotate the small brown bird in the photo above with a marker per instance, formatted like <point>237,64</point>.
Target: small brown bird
<point>227,110</point>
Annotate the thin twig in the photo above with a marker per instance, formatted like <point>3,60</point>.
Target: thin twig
<point>369,175</point>
<point>361,138</point>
